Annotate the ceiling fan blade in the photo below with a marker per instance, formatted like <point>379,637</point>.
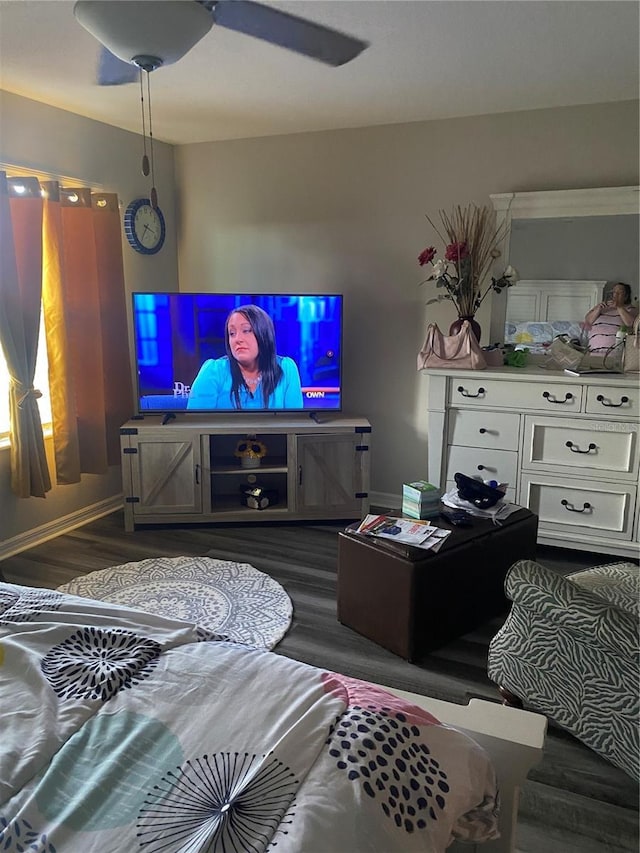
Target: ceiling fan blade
<point>288,31</point>
<point>113,71</point>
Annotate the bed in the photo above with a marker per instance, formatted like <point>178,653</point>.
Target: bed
<point>124,731</point>
<point>535,309</point>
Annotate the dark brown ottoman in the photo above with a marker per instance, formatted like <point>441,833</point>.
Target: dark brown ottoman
<point>412,601</point>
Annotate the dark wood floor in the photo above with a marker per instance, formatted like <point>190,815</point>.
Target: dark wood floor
<point>105,543</point>
<point>574,802</point>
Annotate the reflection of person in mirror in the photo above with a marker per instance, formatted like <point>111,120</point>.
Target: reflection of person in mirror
<point>605,318</point>
<point>251,375</point>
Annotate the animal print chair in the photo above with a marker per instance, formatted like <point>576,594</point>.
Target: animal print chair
<point>570,649</point>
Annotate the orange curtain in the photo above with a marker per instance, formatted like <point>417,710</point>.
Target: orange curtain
<point>20,299</point>
<point>118,388</point>
<point>92,332</point>
<point>61,381</point>
<point>82,312</point>
<point>75,254</point>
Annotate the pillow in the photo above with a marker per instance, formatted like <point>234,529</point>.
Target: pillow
<point>538,335</point>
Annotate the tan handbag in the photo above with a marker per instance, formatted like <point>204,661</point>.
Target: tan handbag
<point>461,351</point>
<point>631,357</point>
<point>566,355</point>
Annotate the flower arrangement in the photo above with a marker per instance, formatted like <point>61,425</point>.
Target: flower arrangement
<point>471,242</point>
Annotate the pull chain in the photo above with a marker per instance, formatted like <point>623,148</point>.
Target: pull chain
<point>145,159</point>
<point>154,193</point>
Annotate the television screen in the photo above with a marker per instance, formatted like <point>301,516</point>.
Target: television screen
<point>223,352</point>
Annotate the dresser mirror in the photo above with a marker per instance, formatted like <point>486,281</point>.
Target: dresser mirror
<point>568,247</point>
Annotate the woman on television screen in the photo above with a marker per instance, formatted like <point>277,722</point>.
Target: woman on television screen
<point>251,375</point>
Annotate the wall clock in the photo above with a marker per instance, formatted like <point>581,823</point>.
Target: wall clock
<point>144,226</point>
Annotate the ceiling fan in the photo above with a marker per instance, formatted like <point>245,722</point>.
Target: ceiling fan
<point>145,34</point>
<point>139,36</point>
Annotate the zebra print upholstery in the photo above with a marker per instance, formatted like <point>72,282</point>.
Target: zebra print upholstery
<point>570,649</point>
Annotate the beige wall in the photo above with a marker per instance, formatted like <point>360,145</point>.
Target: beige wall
<point>340,211</point>
<point>39,137</point>
<point>344,211</point>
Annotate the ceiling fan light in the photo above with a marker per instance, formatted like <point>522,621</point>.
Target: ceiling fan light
<point>166,30</point>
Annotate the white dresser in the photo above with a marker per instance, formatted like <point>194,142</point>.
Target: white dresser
<point>567,446</point>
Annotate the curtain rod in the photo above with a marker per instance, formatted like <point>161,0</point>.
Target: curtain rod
<point>26,172</point>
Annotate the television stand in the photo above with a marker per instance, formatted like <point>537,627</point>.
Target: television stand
<point>186,470</point>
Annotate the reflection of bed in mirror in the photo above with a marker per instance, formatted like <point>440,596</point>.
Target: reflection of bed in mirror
<point>537,311</point>
<point>566,235</point>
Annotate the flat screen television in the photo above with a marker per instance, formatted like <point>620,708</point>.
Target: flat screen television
<point>224,352</point>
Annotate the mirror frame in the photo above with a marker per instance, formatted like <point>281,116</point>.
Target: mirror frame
<point>553,204</point>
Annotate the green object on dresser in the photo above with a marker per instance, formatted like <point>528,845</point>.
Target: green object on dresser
<point>518,358</point>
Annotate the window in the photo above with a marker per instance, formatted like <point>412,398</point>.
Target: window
<point>41,382</point>
<point>80,232</point>
<point>41,378</point>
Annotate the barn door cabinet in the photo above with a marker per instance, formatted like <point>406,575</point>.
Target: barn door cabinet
<point>186,471</point>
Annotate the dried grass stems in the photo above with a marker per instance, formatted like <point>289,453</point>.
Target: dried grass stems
<point>476,227</point>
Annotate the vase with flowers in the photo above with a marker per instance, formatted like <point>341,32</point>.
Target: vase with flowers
<point>471,240</point>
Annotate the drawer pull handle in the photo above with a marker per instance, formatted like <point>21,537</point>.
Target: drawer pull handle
<point>568,396</point>
<point>482,430</point>
<point>197,475</point>
<point>571,508</point>
<point>609,405</point>
<point>575,449</point>
<point>486,468</point>
<point>464,393</point>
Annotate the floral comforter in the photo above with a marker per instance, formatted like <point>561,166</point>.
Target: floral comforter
<point>538,335</point>
<point>120,731</point>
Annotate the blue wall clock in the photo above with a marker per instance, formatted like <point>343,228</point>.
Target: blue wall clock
<point>144,226</point>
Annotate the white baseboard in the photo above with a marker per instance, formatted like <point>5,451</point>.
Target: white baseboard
<point>385,499</point>
<point>38,535</point>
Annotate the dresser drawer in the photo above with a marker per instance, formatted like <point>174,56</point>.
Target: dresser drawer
<point>494,430</point>
<point>523,396</point>
<point>608,400</point>
<point>585,447</point>
<point>602,509</point>
<point>500,465</point>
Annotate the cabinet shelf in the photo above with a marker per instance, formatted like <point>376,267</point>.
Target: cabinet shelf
<point>228,505</point>
<point>275,466</point>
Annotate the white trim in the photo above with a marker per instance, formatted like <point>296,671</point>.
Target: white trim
<point>385,499</point>
<point>39,535</point>
<point>573,540</point>
<point>597,201</point>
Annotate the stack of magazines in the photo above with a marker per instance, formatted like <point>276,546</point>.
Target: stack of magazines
<point>419,534</point>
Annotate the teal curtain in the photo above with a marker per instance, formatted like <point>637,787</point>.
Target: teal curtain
<point>20,301</point>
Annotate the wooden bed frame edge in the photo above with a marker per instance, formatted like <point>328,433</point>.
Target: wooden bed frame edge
<point>513,738</point>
